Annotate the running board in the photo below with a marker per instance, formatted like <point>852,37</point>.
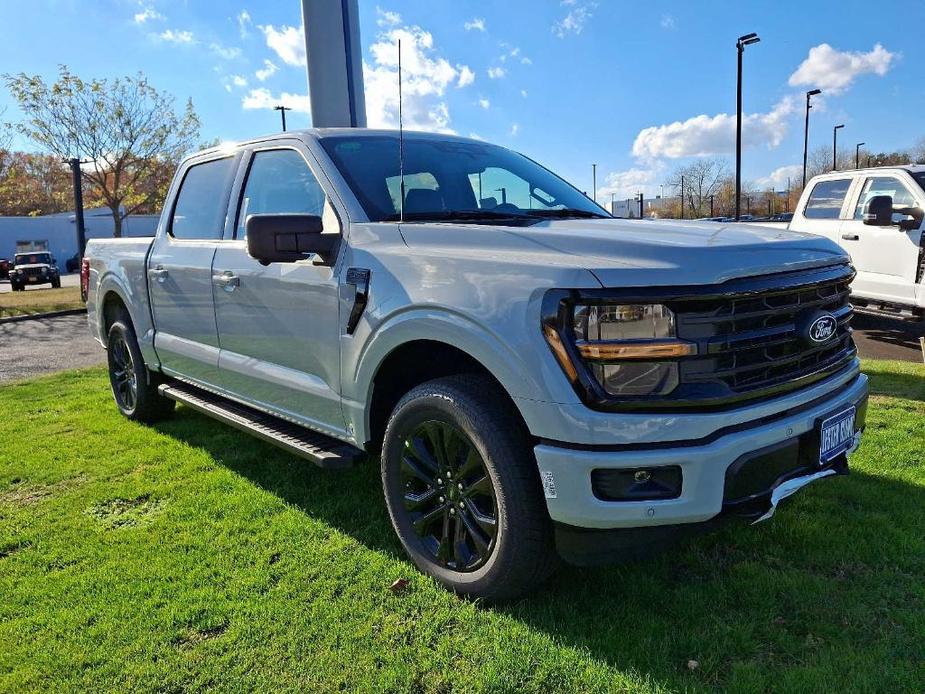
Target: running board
<point>322,450</point>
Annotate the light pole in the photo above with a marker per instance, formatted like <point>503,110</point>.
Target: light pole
<point>682,197</point>
<point>835,146</point>
<point>743,41</point>
<point>282,112</point>
<point>809,95</point>
<point>857,154</point>
<point>75,163</point>
<point>594,182</point>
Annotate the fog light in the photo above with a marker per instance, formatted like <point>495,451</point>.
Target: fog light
<point>637,484</point>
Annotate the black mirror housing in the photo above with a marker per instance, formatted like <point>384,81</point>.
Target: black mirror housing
<point>879,212</point>
<point>287,238</point>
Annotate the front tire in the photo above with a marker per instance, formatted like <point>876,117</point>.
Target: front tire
<point>133,387</point>
<point>462,489</point>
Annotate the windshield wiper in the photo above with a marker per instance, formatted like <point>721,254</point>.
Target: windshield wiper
<point>567,212</point>
<point>446,215</point>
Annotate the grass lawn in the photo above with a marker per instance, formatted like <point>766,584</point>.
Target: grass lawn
<point>189,556</point>
<point>39,301</point>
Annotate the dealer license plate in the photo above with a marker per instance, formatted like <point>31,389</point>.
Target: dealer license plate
<point>836,435</point>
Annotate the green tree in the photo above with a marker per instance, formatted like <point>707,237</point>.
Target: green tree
<point>128,132</point>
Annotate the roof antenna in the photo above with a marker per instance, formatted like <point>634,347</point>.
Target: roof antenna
<point>401,147</point>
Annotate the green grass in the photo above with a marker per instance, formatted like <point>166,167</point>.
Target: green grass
<point>42,300</point>
<point>189,556</point>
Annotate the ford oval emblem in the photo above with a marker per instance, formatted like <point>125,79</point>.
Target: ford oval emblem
<point>822,328</point>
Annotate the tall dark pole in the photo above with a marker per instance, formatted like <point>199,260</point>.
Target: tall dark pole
<point>682,197</point>
<point>857,154</point>
<point>282,112</point>
<point>78,206</point>
<point>809,95</point>
<point>711,206</point>
<point>640,206</point>
<point>835,147</point>
<point>594,182</point>
<point>740,49</point>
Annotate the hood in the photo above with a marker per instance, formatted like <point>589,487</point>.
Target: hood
<point>33,266</point>
<point>622,253</point>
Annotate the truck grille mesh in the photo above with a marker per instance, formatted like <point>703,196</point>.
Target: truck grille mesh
<point>754,342</point>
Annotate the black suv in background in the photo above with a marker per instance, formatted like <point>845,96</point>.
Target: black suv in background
<point>38,267</point>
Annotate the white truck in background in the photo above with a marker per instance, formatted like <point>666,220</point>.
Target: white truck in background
<point>876,215</point>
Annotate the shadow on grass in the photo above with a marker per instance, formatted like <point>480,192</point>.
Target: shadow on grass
<point>884,380</point>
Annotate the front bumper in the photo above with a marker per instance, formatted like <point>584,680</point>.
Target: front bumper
<point>566,471</point>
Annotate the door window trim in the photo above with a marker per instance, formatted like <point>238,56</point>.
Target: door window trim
<point>226,193</point>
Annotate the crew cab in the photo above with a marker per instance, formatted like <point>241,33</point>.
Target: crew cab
<point>536,378</point>
<point>34,268</point>
<point>877,216</point>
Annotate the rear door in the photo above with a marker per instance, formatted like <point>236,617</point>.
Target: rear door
<point>278,325</point>
<point>824,209</point>
<point>886,258</point>
<point>180,271</point>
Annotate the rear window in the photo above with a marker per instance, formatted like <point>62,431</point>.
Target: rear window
<point>826,199</point>
<point>202,201</point>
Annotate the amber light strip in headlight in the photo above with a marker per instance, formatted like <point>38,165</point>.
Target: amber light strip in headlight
<point>655,349</point>
<point>558,349</point>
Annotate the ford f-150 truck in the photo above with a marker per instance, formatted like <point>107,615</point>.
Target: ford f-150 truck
<point>877,215</point>
<point>538,379</point>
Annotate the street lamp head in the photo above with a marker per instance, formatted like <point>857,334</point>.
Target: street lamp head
<point>813,92</point>
<point>839,126</point>
<point>748,39</point>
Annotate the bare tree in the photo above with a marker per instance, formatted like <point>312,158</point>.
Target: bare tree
<point>128,132</point>
<point>702,178</point>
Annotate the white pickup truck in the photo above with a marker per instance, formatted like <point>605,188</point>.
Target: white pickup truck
<point>877,216</point>
<point>535,377</point>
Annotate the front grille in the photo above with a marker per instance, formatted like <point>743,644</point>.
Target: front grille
<point>32,272</point>
<point>754,342</point>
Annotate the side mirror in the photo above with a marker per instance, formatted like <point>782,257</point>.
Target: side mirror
<point>879,211</point>
<point>287,238</point>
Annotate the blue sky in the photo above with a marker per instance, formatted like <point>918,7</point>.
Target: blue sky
<point>638,88</point>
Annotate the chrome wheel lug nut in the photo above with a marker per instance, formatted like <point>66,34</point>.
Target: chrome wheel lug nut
<point>462,505</point>
<point>439,481</point>
<point>452,511</point>
<point>460,486</point>
<point>442,499</point>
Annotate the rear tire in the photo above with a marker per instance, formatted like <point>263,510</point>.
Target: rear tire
<point>133,386</point>
<point>463,492</point>
<point>56,284</point>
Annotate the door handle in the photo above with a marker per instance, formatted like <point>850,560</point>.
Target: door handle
<point>158,273</point>
<point>228,281</point>
<point>850,237</point>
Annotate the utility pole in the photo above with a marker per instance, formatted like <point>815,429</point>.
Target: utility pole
<point>612,197</point>
<point>809,95</point>
<point>594,182</point>
<point>743,41</point>
<point>682,197</point>
<point>857,154</point>
<point>711,206</point>
<point>639,199</point>
<point>282,112</point>
<point>74,163</point>
<point>787,209</point>
<point>835,146</point>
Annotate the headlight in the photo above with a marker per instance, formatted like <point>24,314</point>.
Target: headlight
<point>629,349</point>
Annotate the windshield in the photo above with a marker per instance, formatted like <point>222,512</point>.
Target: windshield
<point>449,179</point>
<point>32,259</point>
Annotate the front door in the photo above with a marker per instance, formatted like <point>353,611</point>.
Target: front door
<point>180,272</point>
<point>278,324</point>
<point>886,258</point>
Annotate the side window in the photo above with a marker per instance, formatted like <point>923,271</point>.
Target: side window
<point>199,212</point>
<point>279,182</point>
<point>825,201</point>
<point>883,185</point>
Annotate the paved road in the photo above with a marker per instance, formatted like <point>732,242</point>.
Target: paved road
<point>34,347</point>
<point>45,345</point>
<point>72,280</point>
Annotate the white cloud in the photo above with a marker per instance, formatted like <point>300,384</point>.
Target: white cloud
<point>387,19</point>
<point>223,52</point>
<point>526,61</point>
<point>484,103</point>
<point>667,22</point>
<point>146,14</point>
<point>515,128</point>
<point>576,18</point>
<point>268,70</point>
<point>426,76</point>
<point>708,135</point>
<point>466,76</point>
<point>262,98</point>
<point>476,136</point>
<point>625,184</point>
<point>244,23</point>
<point>239,81</point>
<point>287,42</point>
<point>834,71</point>
<point>495,73</point>
<point>476,23</point>
<point>523,93</point>
<point>177,36</point>
<point>778,179</point>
